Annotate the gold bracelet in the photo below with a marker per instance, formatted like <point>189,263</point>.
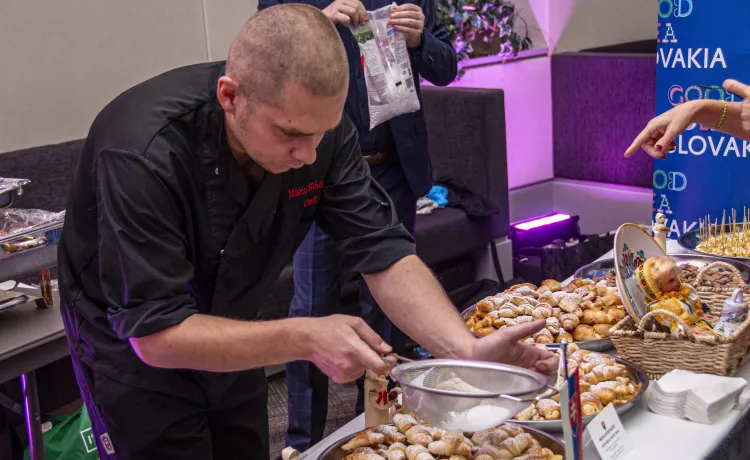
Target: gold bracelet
<point>723,115</point>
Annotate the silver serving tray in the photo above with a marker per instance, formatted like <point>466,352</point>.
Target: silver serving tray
<point>691,239</point>
<point>555,426</point>
<point>17,263</point>
<point>602,267</point>
<point>590,345</point>
<point>334,452</point>
<point>9,188</point>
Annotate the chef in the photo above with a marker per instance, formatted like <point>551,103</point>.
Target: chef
<point>194,189</point>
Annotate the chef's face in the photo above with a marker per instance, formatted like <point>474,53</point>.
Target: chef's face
<point>285,137</point>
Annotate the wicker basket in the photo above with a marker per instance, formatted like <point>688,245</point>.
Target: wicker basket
<point>714,296</point>
<point>657,353</point>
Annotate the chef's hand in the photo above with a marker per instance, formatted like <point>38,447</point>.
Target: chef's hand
<point>343,347</point>
<point>409,20</point>
<point>346,12</point>
<point>504,346</point>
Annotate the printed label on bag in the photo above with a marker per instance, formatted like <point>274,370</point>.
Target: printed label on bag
<point>107,443</point>
<point>88,440</point>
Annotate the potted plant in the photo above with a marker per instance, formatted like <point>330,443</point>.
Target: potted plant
<point>483,28</point>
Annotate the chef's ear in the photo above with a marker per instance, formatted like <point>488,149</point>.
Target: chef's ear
<point>227,91</point>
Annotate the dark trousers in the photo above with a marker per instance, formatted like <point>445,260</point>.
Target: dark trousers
<point>135,423</point>
<point>317,292</point>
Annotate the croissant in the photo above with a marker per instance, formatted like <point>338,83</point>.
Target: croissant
<point>532,457</point>
<point>458,457</point>
<point>524,319</point>
<point>418,452</point>
<point>611,300</point>
<point>510,429</point>
<point>404,421</point>
<point>602,373</point>
<point>484,331</point>
<point>615,315</point>
<point>514,446</point>
<point>582,333</point>
<point>523,287</point>
<point>556,312</point>
<point>518,300</point>
<point>569,321</point>
<point>391,433</point>
<point>602,329</point>
<point>601,288</point>
<point>529,291</point>
<point>568,304</point>
<point>590,404</point>
<point>471,321</point>
<point>564,335</point>
<point>589,296</point>
<point>552,285</point>
<point>364,439</point>
<point>364,453</point>
<point>489,304</point>
<point>451,443</point>
<point>397,451</point>
<point>527,414</point>
<point>524,309</point>
<point>549,409</point>
<point>532,301</point>
<point>553,325</point>
<point>507,312</point>
<point>549,298</point>
<point>500,322</point>
<point>487,452</point>
<point>578,312</point>
<point>583,385</point>
<point>605,395</point>
<point>542,311</point>
<point>543,336</point>
<point>595,317</point>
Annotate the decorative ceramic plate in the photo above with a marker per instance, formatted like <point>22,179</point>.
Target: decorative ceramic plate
<point>633,246</point>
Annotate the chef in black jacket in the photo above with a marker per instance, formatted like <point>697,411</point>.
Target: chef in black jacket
<point>194,189</point>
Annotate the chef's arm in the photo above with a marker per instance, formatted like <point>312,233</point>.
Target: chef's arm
<point>413,299</point>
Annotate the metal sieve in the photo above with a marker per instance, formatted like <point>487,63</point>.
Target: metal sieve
<point>468,396</point>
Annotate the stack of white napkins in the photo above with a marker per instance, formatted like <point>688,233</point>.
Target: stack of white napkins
<point>701,398</point>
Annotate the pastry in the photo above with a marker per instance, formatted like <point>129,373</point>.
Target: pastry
<point>590,404</point>
<point>583,332</point>
<point>365,439</point>
<point>365,453</point>
<point>543,336</point>
<point>418,452</point>
<point>549,409</point>
<point>397,451</point>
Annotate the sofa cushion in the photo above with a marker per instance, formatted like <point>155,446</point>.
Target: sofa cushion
<point>466,128</point>
<point>51,169</point>
<point>448,233</point>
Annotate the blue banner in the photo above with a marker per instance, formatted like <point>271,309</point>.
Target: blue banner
<point>701,44</point>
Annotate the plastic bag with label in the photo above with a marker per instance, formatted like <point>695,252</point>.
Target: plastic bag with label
<point>387,67</point>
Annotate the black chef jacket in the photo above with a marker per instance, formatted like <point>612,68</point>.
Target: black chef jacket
<point>161,223</point>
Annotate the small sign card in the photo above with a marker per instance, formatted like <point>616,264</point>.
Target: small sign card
<point>570,407</point>
<point>608,435</point>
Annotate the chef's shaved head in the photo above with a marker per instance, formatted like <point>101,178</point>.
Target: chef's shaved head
<point>288,43</point>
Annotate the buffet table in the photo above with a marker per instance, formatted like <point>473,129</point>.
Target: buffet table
<point>652,436</point>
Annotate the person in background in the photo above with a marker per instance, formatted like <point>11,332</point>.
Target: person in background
<point>732,118</point>
<point>398,155</point>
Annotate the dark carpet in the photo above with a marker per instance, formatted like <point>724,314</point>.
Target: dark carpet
<point>341,400</point>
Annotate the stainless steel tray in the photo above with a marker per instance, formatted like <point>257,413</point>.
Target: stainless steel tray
<point>9,189</point>
<point>555,426</point>
<point>31,250</point>
<point>334,452</point>
<point>591,345</point>
<point>602,267</point>
<point>691,239</point>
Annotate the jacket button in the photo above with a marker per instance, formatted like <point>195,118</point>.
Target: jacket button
<point>222,252</point>
<point>216,171</point>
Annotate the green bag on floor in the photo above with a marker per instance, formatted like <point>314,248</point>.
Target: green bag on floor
<point>70,438</point>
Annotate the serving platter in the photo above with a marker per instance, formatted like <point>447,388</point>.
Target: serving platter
<point>603,267</point>
<point>690,240</point>
<point>334,451</point>
<point>555,426</point>
<point>591,345</point>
